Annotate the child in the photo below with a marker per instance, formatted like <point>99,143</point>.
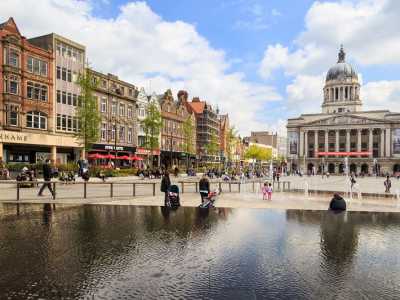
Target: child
<point>269,191</point>
<point>264,191</point>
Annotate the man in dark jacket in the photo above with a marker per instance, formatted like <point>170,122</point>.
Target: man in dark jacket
<point>47,174</point>
<point>337,203</point>
<point>204,187</point>
<point>165,184</point>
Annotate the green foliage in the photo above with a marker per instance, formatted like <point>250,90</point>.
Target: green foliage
<point>87,112</point>
<point>95,170</point>
<point>212,147</point>
<point>258,153</point>
<point>188,130</point>
<point>230,141</point>
<point>152,126</point>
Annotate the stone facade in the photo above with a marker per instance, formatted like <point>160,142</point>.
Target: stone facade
<point>117,104</point>
<point>174,113</point>
<point>69,62</point>
<point>369,139</point>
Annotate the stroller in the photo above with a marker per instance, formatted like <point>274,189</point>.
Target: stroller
<point>210,199</point>
<point>173,199</point>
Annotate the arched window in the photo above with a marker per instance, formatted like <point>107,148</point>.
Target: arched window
<point>36,120</point>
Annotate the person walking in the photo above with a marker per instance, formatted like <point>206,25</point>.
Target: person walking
<point>388,184</point>
<point>47,174</point>
<point>165,184</point>
<point>204,188</point>
<point>269,191</point>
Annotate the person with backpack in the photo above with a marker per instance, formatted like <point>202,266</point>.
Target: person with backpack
<point>165,184</point>
<point>387,184</point>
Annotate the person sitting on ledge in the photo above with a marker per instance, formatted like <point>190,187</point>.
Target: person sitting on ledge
<point>337,203</point>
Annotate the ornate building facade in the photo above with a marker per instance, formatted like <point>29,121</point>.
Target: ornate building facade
<point>117,103</point>
<point>27,133</point>
<point>344,137</point>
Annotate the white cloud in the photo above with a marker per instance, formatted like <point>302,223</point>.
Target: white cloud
<point>305,94</point>
<point>139,46</point>
<point>381,95</point>
<point>370,32</point>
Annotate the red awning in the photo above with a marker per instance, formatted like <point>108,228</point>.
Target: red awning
<point>135,158</point>
<point>110,156</point>
<point>126,157</point>
<point>96,156</point>
<point>354,153</point>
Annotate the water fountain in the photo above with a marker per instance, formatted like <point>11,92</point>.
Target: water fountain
<point>306,189</point>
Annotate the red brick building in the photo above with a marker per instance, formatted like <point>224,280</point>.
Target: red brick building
<point>26,99</point>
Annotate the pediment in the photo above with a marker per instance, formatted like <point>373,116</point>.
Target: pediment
<point>345,120</point>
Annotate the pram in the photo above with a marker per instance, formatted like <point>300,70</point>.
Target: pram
<point>210,199</point>
<point>173,199</point>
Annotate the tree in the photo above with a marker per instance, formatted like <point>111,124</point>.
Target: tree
<point>188,130</point>
<point>87,112</point>
<point>231,136</point>
<point>258,153</point>
<point>152,126</point>
<point>212,147</point>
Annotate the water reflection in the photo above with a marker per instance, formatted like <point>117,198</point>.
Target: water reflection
<point>113,252</point>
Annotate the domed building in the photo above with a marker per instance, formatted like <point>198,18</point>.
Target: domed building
<point>344,138</point>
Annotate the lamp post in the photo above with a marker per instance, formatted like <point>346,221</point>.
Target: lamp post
<point>170,150</point>
<point>114,121</point>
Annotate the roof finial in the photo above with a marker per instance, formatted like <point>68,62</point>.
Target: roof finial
<point>341,55</point>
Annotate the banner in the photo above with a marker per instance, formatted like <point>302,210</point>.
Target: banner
<point>293,138</point>
<point>396,141</point>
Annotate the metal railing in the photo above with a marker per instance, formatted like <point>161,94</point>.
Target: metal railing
<point>130,188</point>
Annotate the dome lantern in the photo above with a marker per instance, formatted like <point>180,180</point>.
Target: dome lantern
<point>341,90</point>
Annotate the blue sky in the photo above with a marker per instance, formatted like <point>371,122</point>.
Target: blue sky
<point>261,61</point>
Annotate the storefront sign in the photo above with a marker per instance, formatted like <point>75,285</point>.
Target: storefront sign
<point>113,148</point>
<point>13,137</point>
<point>143,151</point>
<point>118,148</point>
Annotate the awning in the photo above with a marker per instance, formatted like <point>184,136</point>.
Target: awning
<point>354,153</point>
<point>135,158</point>
<point>96,156</point>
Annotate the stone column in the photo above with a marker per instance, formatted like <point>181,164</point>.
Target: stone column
<point>54,154</point>
<point>301,150</point>
<point>347,140</point>
<point>326,140</point>
<point>306,144</point>
<point>359,140</point>
<point>370,141</point>
<point>382,143</point>
<point>388,143</point>
<point>337,141</point>
<point>2,153</point>
<point>316,143</point>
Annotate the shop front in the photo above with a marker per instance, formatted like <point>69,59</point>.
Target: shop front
<point>173,158</point>
<point>145,154</point>
<point>117,155</point>
<point>30,148</point>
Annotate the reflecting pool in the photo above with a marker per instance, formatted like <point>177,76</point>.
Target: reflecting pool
<point>128,252</point>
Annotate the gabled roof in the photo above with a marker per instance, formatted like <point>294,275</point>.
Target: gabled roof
<point>10,23</point>
<point>197,107</point>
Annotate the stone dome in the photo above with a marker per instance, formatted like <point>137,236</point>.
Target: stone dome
<point>342,70</point>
